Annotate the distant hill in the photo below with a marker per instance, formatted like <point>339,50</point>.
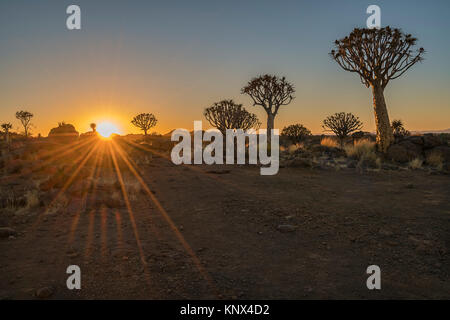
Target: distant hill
<point>431,131</point>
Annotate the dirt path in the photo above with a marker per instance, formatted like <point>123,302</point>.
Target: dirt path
<point>225,240</point>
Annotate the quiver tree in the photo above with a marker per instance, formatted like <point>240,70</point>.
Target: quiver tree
<point>144,121</point>
<point>378,56</point>
<point>93,127</point>
<point>269,92</point>
<point>295,132</point>
<point>25,119</point>
<point>6,127</point>
<point>398,129</point>
<point>342,124</point>
<point>227,114</point>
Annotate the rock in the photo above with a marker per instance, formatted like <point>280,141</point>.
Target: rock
<point>6,232</point>
<point>444,151</point>
<point>418,140</point>
<point>64,133</point>
<point>411,147</point>
<point>403,152</point>
<point>431,141</point>
<point>44,292</point>
<point>286,228</point>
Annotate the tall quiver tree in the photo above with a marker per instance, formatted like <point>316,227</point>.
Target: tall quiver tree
<point>144,121</point>
<point>25,119</point>
<point>270,92</point>
<point>378,56</point>
<point>227,114</point>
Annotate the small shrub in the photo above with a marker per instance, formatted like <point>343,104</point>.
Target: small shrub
<point>294,147</point>
<point>329,142</point>
<point>32,199</point>
<point>415,164</point>
<point>436,160</point>
<point>398,129</point>
<point>295,133</point>
<point>58,205</point>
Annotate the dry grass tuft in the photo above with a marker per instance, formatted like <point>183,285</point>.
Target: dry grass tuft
<point>32,199</point>
<point>329,142</point>
<point>361,149</point>
<point>436,160</point>
<point>294,147</point>
<point>415,164</point>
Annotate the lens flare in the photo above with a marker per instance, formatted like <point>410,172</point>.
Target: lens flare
<point>106,129</point>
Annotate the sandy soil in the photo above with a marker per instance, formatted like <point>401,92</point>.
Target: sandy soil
<point>202,232</point>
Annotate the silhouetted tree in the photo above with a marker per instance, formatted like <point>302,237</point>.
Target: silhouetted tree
<point>398,129</point>
<point>227,114</point>
<point>342,124</point>
<point>295,132</point>
<point>378,56</point>
<point>25,119</point>
<point>93,127</point>
<point>144,121</point>
<point>269,92</point>
<point>6,127</point>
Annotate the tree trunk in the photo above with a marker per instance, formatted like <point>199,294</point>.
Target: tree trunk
<point>270,124</point>
<point>384,130</point>
<point>145,132</point>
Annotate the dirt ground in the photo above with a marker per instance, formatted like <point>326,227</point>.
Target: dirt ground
<point>219,232</point>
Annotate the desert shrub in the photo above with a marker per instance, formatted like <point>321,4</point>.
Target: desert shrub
<point>415,164</point>
<point>295,133</point>
<point>294,147</point>
<point>435,159</point>
<point>329,142</point>
<point>398,129</point>
<point>32,199</point>
<point>342,124</point>
<point>58,205</point>
<point>361,148</point>
<point>11,200</point>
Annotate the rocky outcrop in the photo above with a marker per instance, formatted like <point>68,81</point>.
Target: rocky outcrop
<point>63,133</point>
<point>421,147</point>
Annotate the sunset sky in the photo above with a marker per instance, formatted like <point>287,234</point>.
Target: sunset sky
<point>174,58</point>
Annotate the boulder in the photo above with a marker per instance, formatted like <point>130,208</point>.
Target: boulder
<point>431,141</point>
<point>63,133</point>
<point>6,232</point>
<point>444,151</point>
<point>418,140</point>
<point>44,292</point>
<point>404,151</point>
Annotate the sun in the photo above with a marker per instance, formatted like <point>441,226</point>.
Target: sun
<point>105,129</point>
